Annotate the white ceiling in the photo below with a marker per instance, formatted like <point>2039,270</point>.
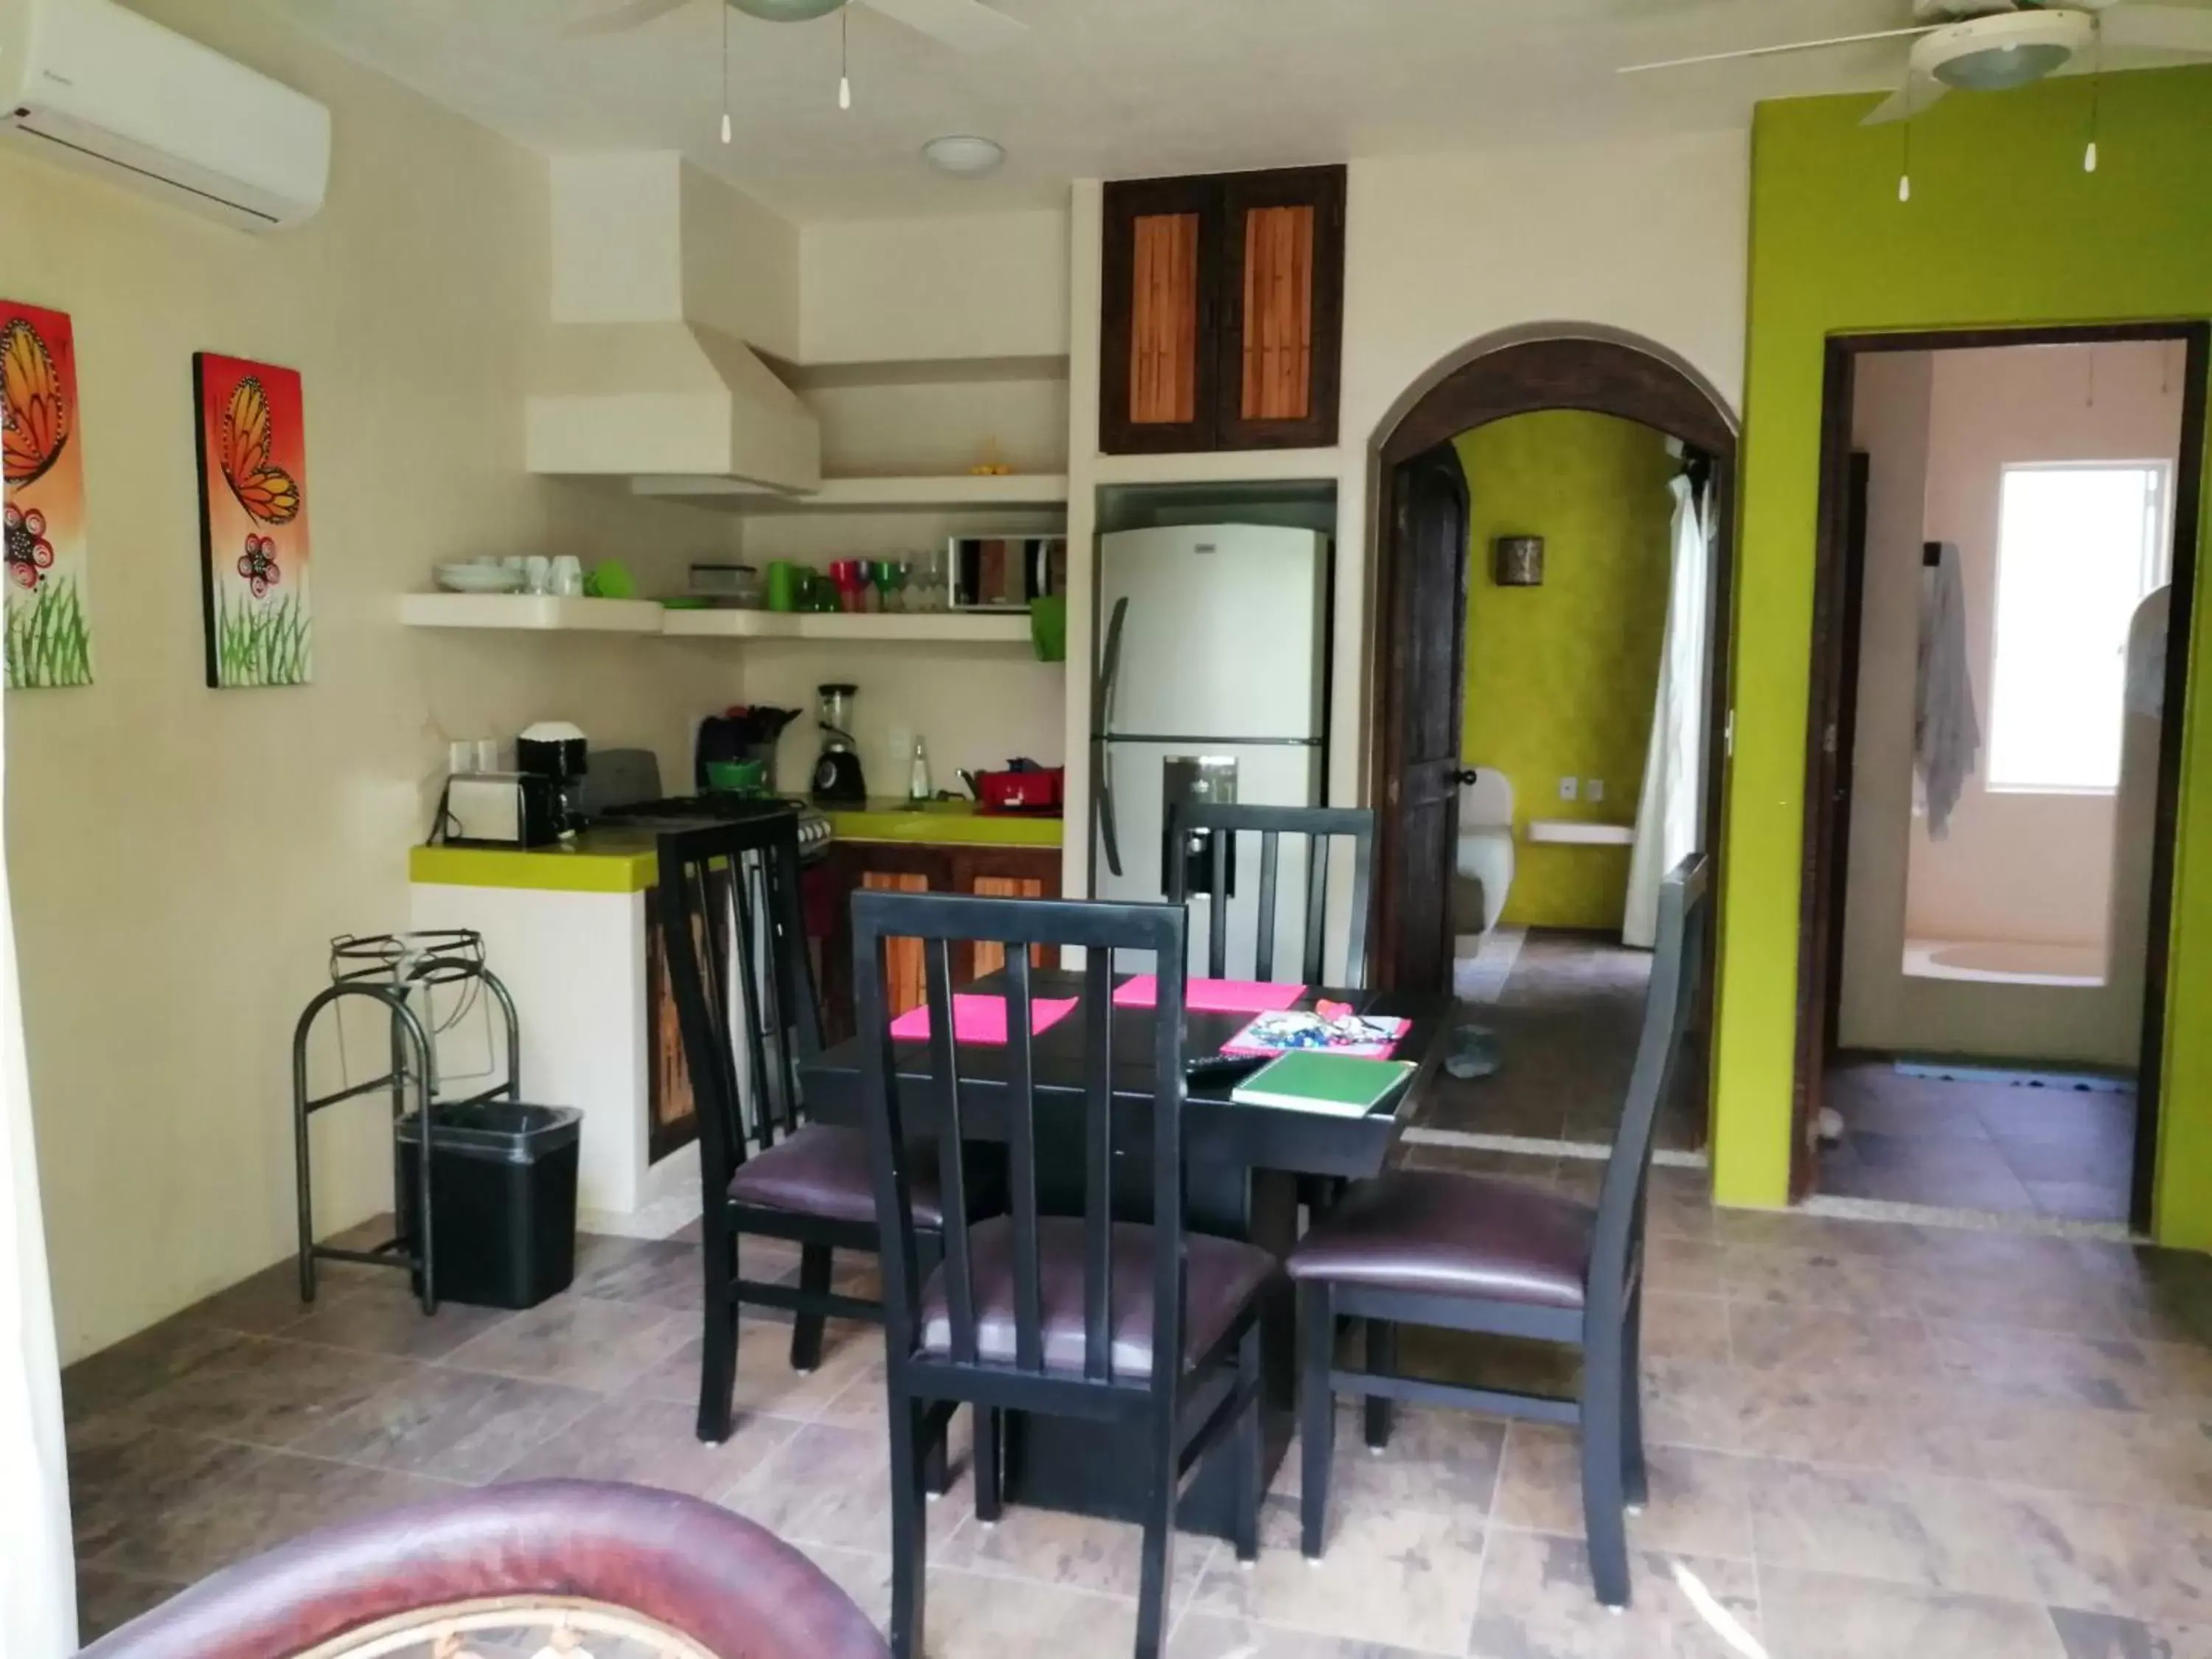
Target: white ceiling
<point>1113,88</point>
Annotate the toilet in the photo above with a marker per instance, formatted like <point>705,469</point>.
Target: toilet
<point>1485,860</point>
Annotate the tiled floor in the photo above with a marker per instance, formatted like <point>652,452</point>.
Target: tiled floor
<point>1978,1145</point>
<point>1566,1017</point>
<point>1868,1439</point>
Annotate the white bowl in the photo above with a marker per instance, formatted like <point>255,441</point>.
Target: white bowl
<point>480,577</point>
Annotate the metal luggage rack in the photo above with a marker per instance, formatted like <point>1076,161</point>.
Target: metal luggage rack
<point>391,969</point>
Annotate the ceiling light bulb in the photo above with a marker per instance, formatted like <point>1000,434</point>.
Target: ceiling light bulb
<point>1904,186</point>
<point>964,153</point>
<point>844,92</point>
<point>2089,158</point>
<point>725,126</point>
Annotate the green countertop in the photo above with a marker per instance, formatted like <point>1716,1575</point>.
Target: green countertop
<point>611,860</point>
<point>948,823</point>
<point>623,860</point>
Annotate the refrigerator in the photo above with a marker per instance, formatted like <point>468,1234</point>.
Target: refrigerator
<point>1212,683</point>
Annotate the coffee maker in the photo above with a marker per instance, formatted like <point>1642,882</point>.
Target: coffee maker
<point>838,778</point>
<point>555,750</point>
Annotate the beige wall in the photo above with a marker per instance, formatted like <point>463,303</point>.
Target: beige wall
<point>179,858</point>
<point>2014,865</point>
<point>902,291</point>
<point>1441,251</point>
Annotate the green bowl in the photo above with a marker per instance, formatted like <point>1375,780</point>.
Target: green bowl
<point>1049,628</point>
<point>740,777</point>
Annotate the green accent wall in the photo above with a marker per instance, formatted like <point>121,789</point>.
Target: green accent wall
<point>1561,678</point>
<point>2004,228</point>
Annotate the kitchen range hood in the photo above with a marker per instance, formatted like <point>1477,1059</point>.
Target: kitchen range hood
<point>674,408</point>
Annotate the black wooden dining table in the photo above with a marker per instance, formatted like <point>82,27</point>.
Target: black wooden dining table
<point>1242,1168</point>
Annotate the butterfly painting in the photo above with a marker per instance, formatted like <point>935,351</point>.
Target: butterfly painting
<point>253,522</point>
<point>48,631</point>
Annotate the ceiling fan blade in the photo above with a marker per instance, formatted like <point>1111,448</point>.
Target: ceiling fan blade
<point>1908,101</point>
<point>963,25</point>
<point>1771,52</point>
<point>2162,28</point>
<point>632,14</point>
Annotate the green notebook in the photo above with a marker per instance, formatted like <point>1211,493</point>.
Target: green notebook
<point>1314,1080</point>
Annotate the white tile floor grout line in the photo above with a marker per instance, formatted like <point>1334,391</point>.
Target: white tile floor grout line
<point>1537,1147</point>
<point>1983,1221</point>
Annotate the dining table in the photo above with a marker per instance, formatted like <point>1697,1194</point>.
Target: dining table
<point>1243,1169</point>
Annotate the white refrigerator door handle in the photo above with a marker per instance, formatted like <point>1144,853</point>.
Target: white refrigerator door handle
<point>1106,833</point>
<point>1110,668</point>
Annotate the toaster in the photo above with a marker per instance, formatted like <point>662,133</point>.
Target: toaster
<point>501,809</point>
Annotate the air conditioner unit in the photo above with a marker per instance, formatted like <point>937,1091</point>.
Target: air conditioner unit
<point>88,83</point>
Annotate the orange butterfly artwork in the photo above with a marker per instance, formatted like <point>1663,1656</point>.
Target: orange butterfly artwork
<point>49,634</point>
<point>253,523</point>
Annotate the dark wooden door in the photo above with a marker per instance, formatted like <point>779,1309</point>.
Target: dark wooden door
<point>1281,305</point>
<point>1158,362</point>
<point>1825,826</point>
<point>1426,616</point>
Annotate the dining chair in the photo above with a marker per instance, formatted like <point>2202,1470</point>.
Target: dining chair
<point>1475,1253</point>
<point>735,942</point>
<point>1142,1324</point>
<point>1317,828</point>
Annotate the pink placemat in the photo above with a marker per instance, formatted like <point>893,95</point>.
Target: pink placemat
<point>1213,996</point>
<point>977,1018</point>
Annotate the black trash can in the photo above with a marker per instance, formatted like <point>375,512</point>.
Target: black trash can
<point>502,1197</point>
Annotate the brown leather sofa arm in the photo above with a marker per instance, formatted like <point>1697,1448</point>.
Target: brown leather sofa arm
<point>730,1588</point>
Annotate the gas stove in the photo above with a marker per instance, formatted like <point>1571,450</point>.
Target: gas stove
<point>721,806</point>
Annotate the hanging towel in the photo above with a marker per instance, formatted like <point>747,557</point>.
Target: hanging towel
<point>1947,737</point>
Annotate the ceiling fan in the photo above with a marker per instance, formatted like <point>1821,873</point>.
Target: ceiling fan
<point>1993,46</point>
<point>963,25</point>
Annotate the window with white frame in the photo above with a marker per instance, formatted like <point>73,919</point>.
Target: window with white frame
<point>2080,545</point>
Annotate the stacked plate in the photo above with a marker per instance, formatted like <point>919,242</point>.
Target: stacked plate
<point>478,576</point>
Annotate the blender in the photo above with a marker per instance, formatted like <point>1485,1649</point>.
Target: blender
<point>837,777</point>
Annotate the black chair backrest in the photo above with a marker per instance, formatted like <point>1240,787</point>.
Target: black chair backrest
<point>1678,959</point>
<point>735,942</point>
<point>1317,825</point>
<point>984,1086</point>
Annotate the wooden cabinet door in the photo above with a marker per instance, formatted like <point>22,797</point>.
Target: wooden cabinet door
<point>906,974</point>
<point>1006,872</point>
<point>672,1110</point>
<point>1281,307</point>
<point>1158,364</point>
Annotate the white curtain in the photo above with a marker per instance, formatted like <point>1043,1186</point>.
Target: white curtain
<point>37,1587</point>
<point>1667,812</point>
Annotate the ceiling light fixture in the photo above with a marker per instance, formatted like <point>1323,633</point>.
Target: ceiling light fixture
<point>786,11</point>
<point>844,60</point>
<point>725,75</point>
<point>964,153</point>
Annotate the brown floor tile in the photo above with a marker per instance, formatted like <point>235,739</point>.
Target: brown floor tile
<point>1865,1424</point>
<point>971,1616</point>
<point>388,1320</point>
<point>118,1377</point>
<point>664,1273</point>
<point>1080,1552</point>
<point>1788,1275</point>
<point>122,1469</point>
<point>1443,1461</point>
<point>1904,1528</point>
<point>268,1392</point>
<point>2103,1636</point>
<point>2130,1457</point>
<point>1211,1635</point>
<point>851,1355</point>
<point>267,1301</point>
<point>864,1575</point>
<point>1408,1579</point>
<point>1828,1342</point>
<point>2153,1563</point>
<point>1699,1502</point>
<point>1814,1615</point>
<point>651,1443</point>
<point>829,1485</point>
<point>458,1426</point>
<point>2050,1368</point>
<point>1537,1602</point>
<point>1685,1327</point>
<point>107,1600</point>
<point>579,1342</point>
<point>272,1497</point>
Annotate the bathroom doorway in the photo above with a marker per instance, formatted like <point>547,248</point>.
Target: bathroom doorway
<point>2001,642</point>
<point>1519,656</point>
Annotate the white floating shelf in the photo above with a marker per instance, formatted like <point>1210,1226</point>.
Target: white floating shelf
<point>956,627</point>
<point>961,492</point>
<point>1559,832</point>
<point>538,612</point>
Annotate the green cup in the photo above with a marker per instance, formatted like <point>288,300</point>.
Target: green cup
<point>782,586</point>
<point>1049,628</point>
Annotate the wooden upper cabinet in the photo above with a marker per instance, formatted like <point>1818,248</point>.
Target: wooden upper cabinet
<point>1222,314</point>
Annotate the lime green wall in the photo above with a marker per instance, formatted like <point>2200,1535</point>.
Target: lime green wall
<point>1561,678</point>
<point>2004,227</point>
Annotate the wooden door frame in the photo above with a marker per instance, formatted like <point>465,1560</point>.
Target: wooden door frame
<point>1599,371</point>
<point>1839,384</point>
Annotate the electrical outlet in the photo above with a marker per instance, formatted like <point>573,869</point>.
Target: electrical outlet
<point>1568,788</point>
<point>1593,790</point>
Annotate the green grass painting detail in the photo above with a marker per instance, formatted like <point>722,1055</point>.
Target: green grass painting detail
<point>49,640</point>
<point>262,641</point>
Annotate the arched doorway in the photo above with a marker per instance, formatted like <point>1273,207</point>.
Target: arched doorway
<point>1417,634</point>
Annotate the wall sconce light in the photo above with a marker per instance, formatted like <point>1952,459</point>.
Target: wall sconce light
<point>1520,561</point>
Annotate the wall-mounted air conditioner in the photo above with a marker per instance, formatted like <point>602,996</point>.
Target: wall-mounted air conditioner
<point>90,83</point>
